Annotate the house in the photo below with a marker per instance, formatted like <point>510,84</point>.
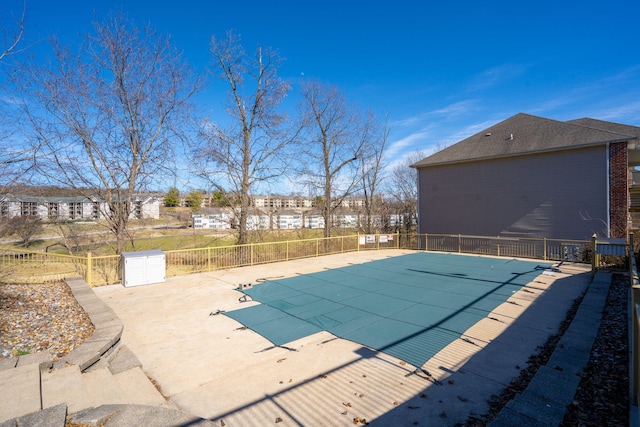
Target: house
<point>530,176</point>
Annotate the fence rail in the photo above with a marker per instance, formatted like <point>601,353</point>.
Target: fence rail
<point>20,266</point>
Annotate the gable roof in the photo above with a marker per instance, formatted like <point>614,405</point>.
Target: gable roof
<point>527,134</point>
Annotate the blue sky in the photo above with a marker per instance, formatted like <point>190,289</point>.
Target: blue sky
<point>440,71</point>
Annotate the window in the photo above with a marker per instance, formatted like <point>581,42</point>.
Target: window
<point>138,209</point>
<point>95,211</point>
<point>29,208</point>
<point>75,210</point>
<point>53,210</point>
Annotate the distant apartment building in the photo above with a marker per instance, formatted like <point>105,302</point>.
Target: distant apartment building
<point>281,202</point>
<point>313,220</point>
<point>72,208</point>
<point>214,219</point>
<point>289,219</point>
<point>259,221</point>
<point>272,202</point>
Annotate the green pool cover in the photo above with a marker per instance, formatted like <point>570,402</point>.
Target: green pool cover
<point>410,306</point>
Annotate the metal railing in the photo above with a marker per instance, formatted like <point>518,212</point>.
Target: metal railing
<point>20,266</point>
<point>634,284</point>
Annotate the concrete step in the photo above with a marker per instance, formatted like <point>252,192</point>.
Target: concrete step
<point>65,385</point>
<point>123,360</point>
<point>138,389</point>
<point>97,387</point>
<point>21,390</point>
<point>50,417</point>
<point>102,388</point>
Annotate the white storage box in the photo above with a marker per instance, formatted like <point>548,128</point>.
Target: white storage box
<point>143,268</point>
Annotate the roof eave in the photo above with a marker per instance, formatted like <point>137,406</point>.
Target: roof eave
<point>506,156</point>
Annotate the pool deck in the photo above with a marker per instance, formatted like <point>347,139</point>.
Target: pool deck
<point>208,365</point>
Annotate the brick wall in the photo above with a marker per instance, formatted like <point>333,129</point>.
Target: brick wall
<point>618,190</point>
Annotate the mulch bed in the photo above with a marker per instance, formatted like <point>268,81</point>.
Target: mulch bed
<point>602,398</point>
<point>41,317</point>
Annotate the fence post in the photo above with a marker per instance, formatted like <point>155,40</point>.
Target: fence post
<point>544,248</point>
<point>397,240</point>
<point>426,241</point>
<point>251,253</point>
<point>342,244</point>
<point>594,256</point>
<point>287,250</point>
<point>378,241</point>
<point>498,245</point>
<point>89,275</point>
<point>459,243</point>
<point>208,258</point>
<point>317,246</point>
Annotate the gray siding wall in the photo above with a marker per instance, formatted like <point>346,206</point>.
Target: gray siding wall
<point>556,195</point>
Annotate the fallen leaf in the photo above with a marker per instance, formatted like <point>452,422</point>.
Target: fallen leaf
<point>278,420</point>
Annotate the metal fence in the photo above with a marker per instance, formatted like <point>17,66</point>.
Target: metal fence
<point>536,248</point>
<point>20,266</point>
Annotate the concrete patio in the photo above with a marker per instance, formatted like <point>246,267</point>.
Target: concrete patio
<point>210,366</point>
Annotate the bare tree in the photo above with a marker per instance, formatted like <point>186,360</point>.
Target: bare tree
<point>25,227</point>
<point>250,149</point>
<point>105,119</point>
<point>403,187</point>
<point>335,135</point>
<point>14,156</point>
<point>372,173</point>
<point>11,30</point>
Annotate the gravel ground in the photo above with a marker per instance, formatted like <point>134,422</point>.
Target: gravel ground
<point>46,317</point>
